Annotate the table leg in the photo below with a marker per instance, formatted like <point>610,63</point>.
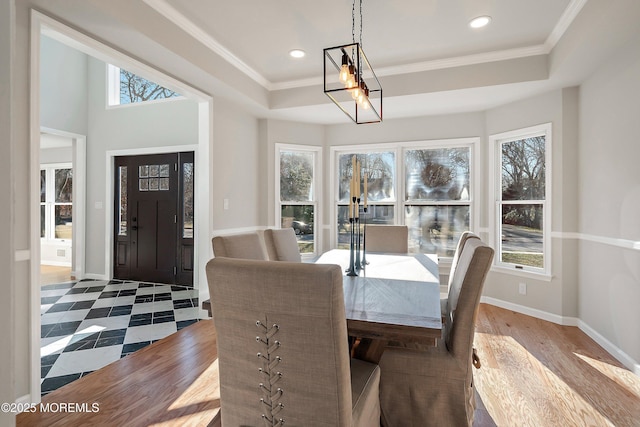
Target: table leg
<point>369,350</point>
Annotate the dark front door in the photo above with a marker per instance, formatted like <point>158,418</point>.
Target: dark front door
<point>151,217</point>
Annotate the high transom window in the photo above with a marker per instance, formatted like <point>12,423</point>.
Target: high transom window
<point>125,87</point>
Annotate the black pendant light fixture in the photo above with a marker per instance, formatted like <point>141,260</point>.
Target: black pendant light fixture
<point>350,81</point>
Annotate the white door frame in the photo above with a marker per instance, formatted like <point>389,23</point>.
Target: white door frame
<point>203,157</point>
<point>79,165</point>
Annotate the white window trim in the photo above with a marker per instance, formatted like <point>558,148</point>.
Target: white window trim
<point>495,188</point>
<point>317,192</point>
<point>50,203</point>
<point>399,148</point>
<point>113,91</point>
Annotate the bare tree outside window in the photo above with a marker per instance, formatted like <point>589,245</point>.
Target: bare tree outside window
<point>134,89</point>
<point>522,199</point>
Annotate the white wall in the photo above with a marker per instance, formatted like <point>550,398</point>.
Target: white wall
<point>63,87</point>
<point>7,141</point>
<point>558,295</point>
<point>235,168</point>
<point>170,123</point>
<point>284,132</point>
<point>610,200</point>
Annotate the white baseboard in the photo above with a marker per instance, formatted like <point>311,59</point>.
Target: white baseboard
<point>538,314</point>
<point>618,354</point>
<point>96,276</point>
<point>25,401</point>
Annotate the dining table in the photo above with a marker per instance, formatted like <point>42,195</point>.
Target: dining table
<point>394,298</point>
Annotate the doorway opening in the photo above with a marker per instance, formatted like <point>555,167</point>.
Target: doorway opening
<point>153,218</point>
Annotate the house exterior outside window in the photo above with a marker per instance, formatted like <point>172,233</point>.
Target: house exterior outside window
<point>521,192</point>
<point>297,191</point>
<point>427,185</point>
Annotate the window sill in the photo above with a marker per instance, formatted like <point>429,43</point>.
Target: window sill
<point>544,277</point>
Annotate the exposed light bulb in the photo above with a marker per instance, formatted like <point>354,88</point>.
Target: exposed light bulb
<point>344,69</point>
<point>351,80</point>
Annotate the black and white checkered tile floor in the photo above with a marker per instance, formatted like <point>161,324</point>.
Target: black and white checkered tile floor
<point>88,324</point>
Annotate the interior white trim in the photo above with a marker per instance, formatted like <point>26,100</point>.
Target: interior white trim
<point>569,14</point>
<point>79,165</point>
<point>43,24</point>
<point>611,241</point>
<point>611,348</point>
<point>533,312</point>
<point>109,194</point>
<point>22,255</point>
<point>168,11</point>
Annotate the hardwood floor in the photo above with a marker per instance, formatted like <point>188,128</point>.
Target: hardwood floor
<point>50,274</point>
<point>172,382</point>
<point>537,373</point>
<point>534,373</point>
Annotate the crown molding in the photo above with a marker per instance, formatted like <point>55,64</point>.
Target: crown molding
<point>564,22</point>
<point>165,9</point>
<point>168,11</point>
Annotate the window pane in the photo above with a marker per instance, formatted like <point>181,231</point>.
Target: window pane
<point>187,207</point>
<point>64,185</point>
<point>437,174</point>
<point>435,229</point>
<point>380,169</point>
<point>42,220</point>
<point>63,218</point>
<point>300,218</point>
<point>523,169</point>
<point>134,88</point>
<point>122,212</point>
<point>376,214</point>
<point>522,235</point>
<point>296,176</point>
<point>43,186</point>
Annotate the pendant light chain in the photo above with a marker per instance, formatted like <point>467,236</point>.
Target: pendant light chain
<point>353,21</point>
<point>360,23</point>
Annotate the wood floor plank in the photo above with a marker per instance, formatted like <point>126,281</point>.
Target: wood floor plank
<point>537,373</point>
<point>173,381</point>
<point>534,373</point>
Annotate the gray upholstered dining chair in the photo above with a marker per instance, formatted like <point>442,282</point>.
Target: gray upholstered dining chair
<point>282,245</point>
<point>282,347</point>
<point>456,257</point>
<point>387,238</point>
<point>245,246</point>
<point>434,385</point>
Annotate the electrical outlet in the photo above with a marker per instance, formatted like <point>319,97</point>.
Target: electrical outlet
<point>225,204</point>
<point>522,288</point>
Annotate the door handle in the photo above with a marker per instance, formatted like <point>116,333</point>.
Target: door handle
<point>134,227</point>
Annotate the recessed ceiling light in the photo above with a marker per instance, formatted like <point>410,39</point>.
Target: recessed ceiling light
<point>297,53</point>
<point>480,21</point>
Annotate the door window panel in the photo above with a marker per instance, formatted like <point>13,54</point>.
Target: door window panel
<point>187,207</point>
<point>122,209</point>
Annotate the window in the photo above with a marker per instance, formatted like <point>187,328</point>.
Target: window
<point>380,168</point>
<point>56,203</point>
<point>435,180</point>
<point>521,194</point>
<point>297,189</point>
<point>437,198</point>
<point>127,88</point>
